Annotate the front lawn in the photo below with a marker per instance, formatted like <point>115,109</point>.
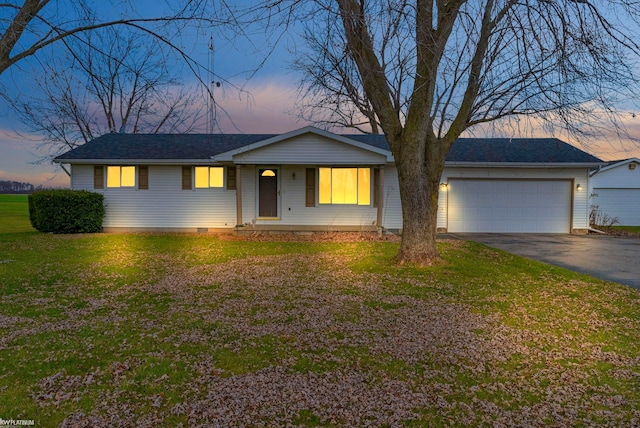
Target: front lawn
<point>162,329</point>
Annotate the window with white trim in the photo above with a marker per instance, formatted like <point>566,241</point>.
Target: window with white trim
<point>342,186</point>
<point>209,176</point>
<point>121,176</point>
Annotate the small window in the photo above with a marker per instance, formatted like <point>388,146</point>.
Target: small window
<point>209,176</point>
<point>344,186</point>
<point>121,176</point>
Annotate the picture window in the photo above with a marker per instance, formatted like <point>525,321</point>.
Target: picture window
<point>342,186</point>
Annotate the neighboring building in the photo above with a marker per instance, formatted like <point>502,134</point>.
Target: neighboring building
<point>311,179</point>
<point>615,191</point>
<point>15,187</point>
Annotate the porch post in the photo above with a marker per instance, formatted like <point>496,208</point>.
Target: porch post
<point>380,196</point>
<point>238,195</point>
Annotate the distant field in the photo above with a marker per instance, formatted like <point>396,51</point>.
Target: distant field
<point>14,214</point>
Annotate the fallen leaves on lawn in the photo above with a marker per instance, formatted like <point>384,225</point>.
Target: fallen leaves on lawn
<point>311,342</point>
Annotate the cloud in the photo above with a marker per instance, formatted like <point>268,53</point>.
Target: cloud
<point>264,107</point>
<point>269,107</point>
<point>612,142</point>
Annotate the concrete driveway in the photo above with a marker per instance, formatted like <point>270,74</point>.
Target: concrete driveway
<point>610,258</point>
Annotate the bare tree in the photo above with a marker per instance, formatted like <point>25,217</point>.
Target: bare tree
<point>110,80</point>
<point>29,26</point>
<point>432,69</point>
<point>330,92</point>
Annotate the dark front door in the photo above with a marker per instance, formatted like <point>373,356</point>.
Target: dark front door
<point>268,193</point>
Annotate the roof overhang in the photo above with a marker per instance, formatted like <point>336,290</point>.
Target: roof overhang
<point>545,165</point>
<point>228,156</point>
<point>136,161</point>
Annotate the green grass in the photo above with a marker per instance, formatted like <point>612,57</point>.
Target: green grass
<point>180,328</point>
<point>630,229</point>
<point>14,214</point>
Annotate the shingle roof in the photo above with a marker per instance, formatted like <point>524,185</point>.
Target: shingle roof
<point>203,146</point>
<point>160,146</point>
<point>525,150</point>
<point>509,150</point>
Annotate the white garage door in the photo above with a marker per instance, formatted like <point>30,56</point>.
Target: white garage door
<point>621,203</point>
<point>525,206</point>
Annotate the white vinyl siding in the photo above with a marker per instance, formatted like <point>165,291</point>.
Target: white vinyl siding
<point>616,192</point>
<point>164,204</point>
<point>310,148</point>
<point>619,177</point>
<point>621,204</point>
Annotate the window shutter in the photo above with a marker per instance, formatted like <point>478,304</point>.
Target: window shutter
<point>376,187</point>
<point>98,177</point>
<point>186,178</point>
<point>231,178</point>
<point>143,177</point>
<point>310,187</point>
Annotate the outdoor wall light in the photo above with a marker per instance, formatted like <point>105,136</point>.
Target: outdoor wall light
<point>443,186</point>
<point>578,187</point>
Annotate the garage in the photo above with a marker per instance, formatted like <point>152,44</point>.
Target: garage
<point>622,204</point>
<point>505,205</point>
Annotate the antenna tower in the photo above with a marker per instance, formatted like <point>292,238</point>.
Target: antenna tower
<point>211,104</point>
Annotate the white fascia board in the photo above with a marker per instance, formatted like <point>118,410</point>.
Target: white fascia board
<point>316,164</point>
<point>521,165</point>
<point>135,161</point>
<point>228,156</point>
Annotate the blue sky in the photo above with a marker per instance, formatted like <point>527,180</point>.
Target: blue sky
<point>267,106</point>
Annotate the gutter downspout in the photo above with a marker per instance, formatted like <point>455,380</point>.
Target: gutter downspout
<point>65,170</point>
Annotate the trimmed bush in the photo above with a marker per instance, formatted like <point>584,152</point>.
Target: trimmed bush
<point>66,211</point>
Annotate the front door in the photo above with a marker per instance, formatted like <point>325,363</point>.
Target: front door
<point>268,193</point>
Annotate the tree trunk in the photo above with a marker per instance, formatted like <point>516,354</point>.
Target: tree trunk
<point>419,176</point>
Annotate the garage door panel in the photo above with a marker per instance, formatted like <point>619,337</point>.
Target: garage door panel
<point>514,199</point>
<point>624,204</point>
<point>528,206</point>
<point>484,212</point>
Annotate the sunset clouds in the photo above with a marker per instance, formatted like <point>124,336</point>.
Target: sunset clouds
<point>265,106</point>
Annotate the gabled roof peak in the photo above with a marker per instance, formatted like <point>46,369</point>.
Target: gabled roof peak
<point>615,164</point>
